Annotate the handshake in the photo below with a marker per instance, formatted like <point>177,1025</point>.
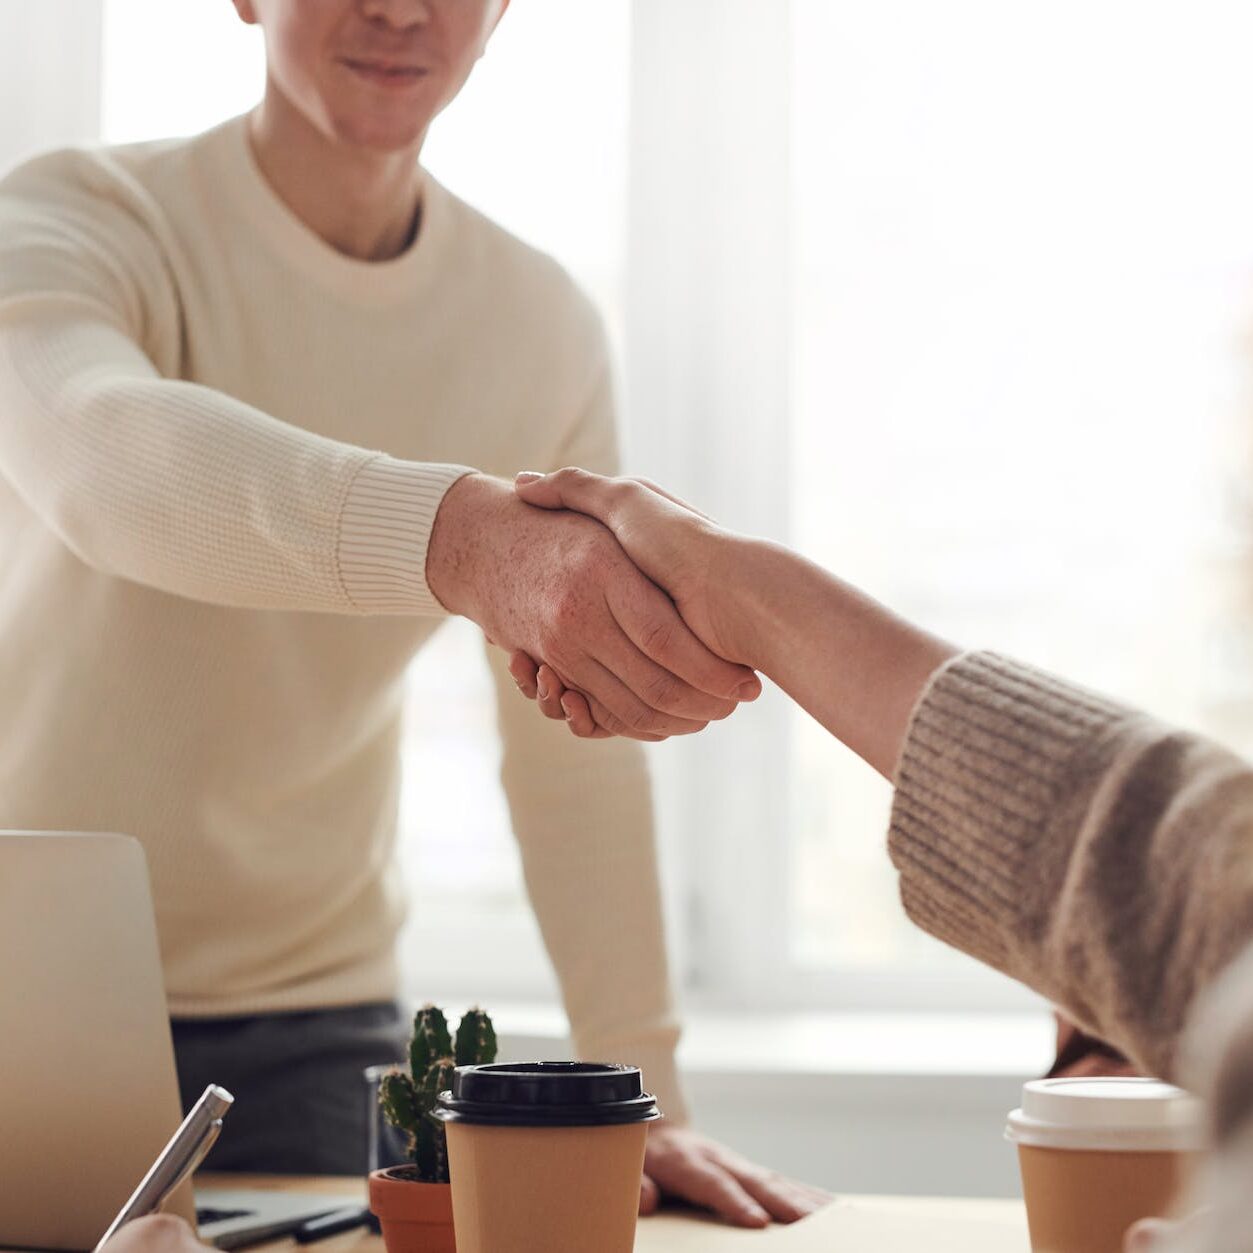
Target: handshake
<point>614,598</point>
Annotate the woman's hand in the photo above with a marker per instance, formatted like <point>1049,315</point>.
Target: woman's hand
<point>157,1233</point>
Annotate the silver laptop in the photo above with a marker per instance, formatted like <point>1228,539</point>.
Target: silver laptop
<point>88,1089</point>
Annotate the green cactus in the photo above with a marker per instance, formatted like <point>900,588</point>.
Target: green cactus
<point>408,1099</point>
<point>476,1039</point>
<point>400,1101</point>
<point>430,1042</point>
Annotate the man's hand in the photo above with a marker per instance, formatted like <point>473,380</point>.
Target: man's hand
<point>560,587</point>
<point>679,548</point>
<point>157,1233</point>
<point>682,1164</point>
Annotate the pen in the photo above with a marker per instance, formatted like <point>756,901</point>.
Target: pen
<point>332,1224</point>
<point>178,1159</point>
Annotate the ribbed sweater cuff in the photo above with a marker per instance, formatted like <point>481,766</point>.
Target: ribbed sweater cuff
<point>385,530</point>
<point>992,754</point>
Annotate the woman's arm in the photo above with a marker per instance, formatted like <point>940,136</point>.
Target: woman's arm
<point>1077,845</point>
<point>853,664</point>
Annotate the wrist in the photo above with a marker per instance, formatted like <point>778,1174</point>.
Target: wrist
<point>461,541</point>
<point>740,571</point>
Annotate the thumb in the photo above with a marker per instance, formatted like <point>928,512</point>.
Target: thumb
<point>566,489</point>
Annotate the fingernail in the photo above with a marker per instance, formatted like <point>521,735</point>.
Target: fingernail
<point>749,690</point>
<point>565,709</point>
<point>541,689</point>
<point>527,476</point>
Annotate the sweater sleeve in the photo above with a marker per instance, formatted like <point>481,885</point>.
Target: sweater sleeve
<point>1079,846</point>
<point>168,483</point>
<point>582,815</point>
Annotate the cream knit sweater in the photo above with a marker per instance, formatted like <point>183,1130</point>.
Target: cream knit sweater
<point>1106,859</point>
<point>222,447</point>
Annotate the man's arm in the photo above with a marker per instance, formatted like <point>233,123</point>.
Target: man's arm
<point>184,489</point>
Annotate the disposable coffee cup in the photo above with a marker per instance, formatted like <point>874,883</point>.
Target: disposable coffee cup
<point>1097,1155</point>
<point>546,1157</point>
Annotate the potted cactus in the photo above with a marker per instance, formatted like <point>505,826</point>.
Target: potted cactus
<point>413,1203</point>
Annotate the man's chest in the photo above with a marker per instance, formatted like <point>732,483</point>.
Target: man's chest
<point>443,381</point>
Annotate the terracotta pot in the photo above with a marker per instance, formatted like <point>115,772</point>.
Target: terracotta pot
<point>415,1217</point>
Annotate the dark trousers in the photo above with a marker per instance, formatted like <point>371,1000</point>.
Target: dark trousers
<point>300,1094</point>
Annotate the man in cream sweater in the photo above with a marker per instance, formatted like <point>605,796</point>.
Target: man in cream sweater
<point>243,381</point>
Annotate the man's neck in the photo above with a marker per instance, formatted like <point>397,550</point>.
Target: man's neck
<point>363,203</point>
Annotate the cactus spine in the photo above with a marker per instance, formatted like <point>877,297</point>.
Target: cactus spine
<point>408,1099</point>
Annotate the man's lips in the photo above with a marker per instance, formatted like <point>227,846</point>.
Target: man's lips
<point>385,73</point>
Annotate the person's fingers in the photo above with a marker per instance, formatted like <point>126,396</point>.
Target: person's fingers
<point>1146,1235</point>
<point>524,672</point>
<point>785,1200</point>
<point>579,717</point>
<point>637,713</point>
<point>650,620</point>
<point>155,1233</point>
<point>572,488</point>
<point>619,710</point>
<point>548,688</point>
<point>650,1196</point>
<point>670,496</point>
<point>656,686</point>
<point>707,1184</point>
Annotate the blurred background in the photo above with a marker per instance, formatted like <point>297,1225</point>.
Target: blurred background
<point>956,298</point>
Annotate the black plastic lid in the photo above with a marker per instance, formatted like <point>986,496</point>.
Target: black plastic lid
<point>547,1094</point>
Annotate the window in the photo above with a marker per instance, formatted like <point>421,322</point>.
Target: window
<point>1022,270</point>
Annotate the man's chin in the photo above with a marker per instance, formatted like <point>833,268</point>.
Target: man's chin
<point>391,136</point>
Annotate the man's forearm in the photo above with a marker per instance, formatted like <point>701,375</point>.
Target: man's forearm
<point>853,664</point>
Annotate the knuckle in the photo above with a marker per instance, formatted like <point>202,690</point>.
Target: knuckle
<point>566,610</point>
<point>662,691</point>
<point>657,636</point>
<point>612,724</point>
<point>641,718</point>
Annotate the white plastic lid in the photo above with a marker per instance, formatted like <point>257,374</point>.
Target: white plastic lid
<point>1138,1115</point>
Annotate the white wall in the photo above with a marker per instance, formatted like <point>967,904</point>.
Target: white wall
<point>49,76</point>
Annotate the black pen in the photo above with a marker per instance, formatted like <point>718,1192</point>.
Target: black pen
<point>332,1224</point>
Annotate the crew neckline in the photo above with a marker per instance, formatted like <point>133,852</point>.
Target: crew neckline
<point>354,280</point>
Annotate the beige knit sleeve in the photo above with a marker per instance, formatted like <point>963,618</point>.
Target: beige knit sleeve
<point>168,483</point>
<point>1079,846</point>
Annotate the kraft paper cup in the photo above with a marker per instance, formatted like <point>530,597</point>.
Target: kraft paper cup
<point>1097,1155</point>
<point>546,1157</point>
